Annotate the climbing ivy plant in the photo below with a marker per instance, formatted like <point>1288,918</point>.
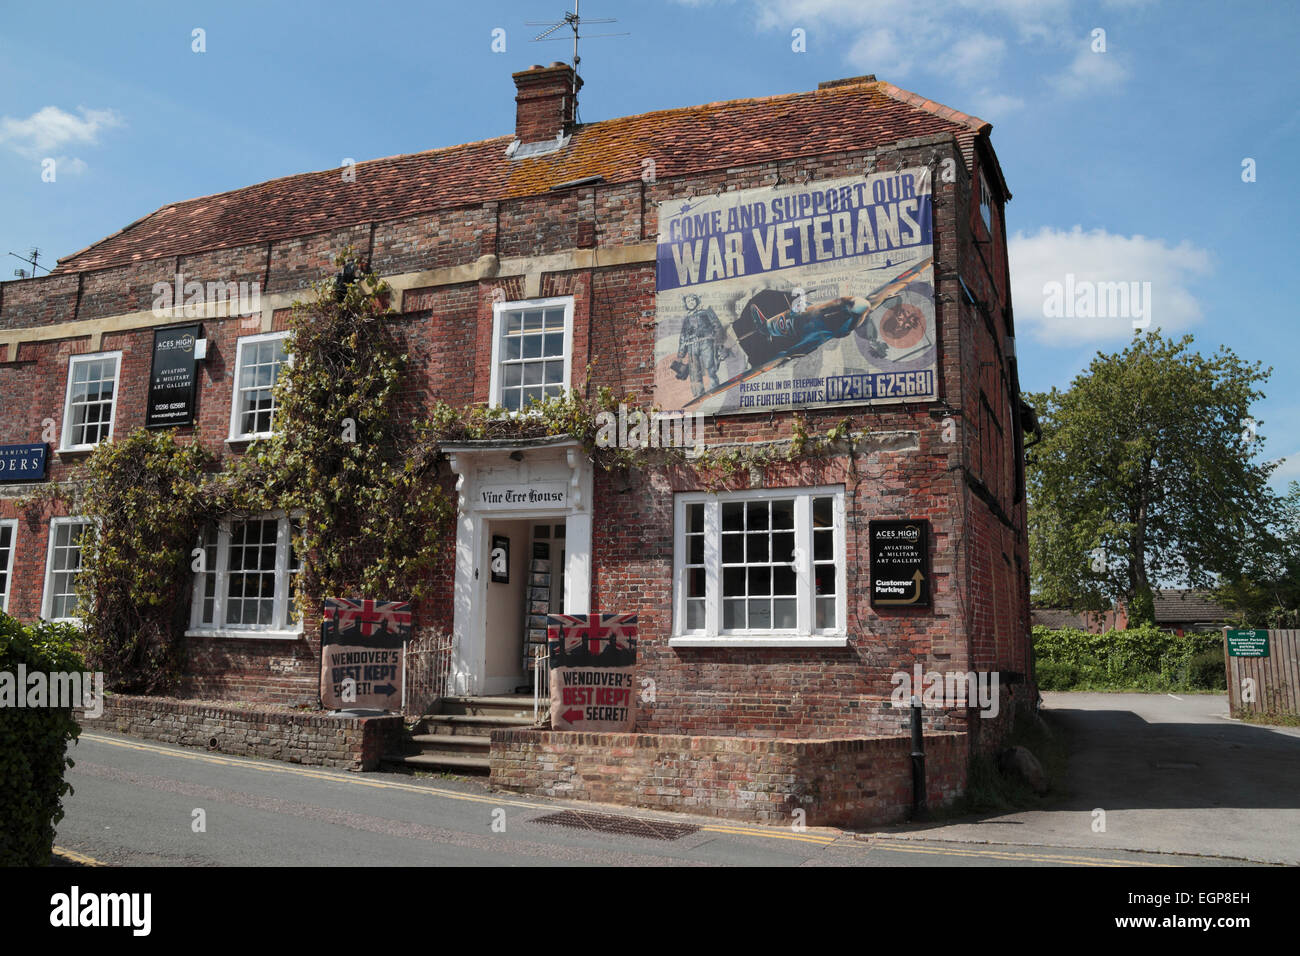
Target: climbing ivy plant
<point>145,497</point>
<point>374,517</point>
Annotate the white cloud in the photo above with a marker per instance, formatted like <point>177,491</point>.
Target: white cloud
<point>1053,266</point>
<point>880,52</point>
<point>973,55</point>
<point>961,39</point>
<point>69,166</point>
<point>950,37</point>
<point>991,106</point>
<point>1090,72</point>
<point>50,129</point>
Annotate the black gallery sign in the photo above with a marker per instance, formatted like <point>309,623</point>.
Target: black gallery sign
<point>173,378</point>
<point>900,563</point>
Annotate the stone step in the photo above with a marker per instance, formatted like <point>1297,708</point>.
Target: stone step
<point>472,724</point>
<point>445,761</point>
<point>486,707</point>
<point>451,742</point>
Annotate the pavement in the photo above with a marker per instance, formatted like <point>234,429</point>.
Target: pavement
<point>1179,784</point>
<point>1171,774</point>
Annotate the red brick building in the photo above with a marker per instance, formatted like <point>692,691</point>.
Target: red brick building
<point>520,261</point>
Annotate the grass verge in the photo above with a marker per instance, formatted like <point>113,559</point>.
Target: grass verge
<point>1272,718</point>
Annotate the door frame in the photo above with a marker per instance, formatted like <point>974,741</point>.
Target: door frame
<point>494,463</point>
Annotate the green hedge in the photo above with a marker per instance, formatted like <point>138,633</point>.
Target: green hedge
<point>1141,658</point>
<point>34,743</point>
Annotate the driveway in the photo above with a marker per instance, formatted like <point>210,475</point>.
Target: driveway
<point>1173,774</point>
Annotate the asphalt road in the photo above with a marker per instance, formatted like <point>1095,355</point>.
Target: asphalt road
<point>1172,775</point>
<point>135,803</point>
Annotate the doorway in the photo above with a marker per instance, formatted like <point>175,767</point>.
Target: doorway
<point>525,583</point>
<point>530,496</point>
<point>505,605</point>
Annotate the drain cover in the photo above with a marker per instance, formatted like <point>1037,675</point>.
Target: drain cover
<point>609,823</point>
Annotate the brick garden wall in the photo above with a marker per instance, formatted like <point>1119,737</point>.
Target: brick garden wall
<point>350,743</point>
<point>844,782</point>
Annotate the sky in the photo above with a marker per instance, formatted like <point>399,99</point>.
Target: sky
<point>1143,142</point>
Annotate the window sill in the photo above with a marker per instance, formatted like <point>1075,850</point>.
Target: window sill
<point>245,439</point>
<point>526,413</point>
<point>75,451</point>
<point>248,634</point>
<point>775,640</point>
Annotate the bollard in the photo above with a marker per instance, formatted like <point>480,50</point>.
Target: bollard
<point>920,805</point>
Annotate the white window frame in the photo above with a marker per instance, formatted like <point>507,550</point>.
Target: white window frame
<point>8,568</point>
<point>235,410</point>
<point>713,634</point>
<point>280,627</point>
<point>498,311</point>
<point>47,598</point>
<point>65,434</point>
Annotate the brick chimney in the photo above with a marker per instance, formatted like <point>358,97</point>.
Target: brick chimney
<point>546,103</point>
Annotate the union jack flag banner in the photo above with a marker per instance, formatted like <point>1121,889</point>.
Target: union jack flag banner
<point>591,640</point>
<point>362,654</point>
<point>367,622</point>
<point>593,672</point>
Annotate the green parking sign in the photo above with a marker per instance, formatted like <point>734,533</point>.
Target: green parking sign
<point>1248,643</point>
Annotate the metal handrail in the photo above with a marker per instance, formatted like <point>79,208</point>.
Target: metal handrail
<point>541,682</point>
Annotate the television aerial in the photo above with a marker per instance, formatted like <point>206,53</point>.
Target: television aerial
<point>574,22</point>
<point>32,255</point>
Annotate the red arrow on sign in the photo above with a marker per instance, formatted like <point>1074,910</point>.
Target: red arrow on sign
<point>571,715</point>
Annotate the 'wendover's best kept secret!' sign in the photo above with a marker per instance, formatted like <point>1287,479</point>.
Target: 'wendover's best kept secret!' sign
<point>593,667</point>
<point>361,653</point>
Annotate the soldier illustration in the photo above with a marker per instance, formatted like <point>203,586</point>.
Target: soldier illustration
<point>700,348</point>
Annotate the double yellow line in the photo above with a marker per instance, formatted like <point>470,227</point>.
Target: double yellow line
<point>1015,856</point>
<point>72,856</point>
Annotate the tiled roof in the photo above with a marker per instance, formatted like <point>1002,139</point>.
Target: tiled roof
<point>1057,617</point>
<point>681,142</point>
<point>1187,606</point>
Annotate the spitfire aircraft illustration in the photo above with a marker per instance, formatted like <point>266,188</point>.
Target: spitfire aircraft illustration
<point>772,331</point>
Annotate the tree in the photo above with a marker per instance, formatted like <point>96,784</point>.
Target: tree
<point>1267,592</point>
<point>1149,470</point>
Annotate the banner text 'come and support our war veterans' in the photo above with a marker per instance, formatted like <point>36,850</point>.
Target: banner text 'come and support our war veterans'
<point>801,296</point>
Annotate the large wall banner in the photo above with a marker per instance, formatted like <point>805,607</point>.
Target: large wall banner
<point>803,296</point>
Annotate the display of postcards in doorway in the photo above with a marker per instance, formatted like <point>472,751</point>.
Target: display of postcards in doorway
<point>545,587</point>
